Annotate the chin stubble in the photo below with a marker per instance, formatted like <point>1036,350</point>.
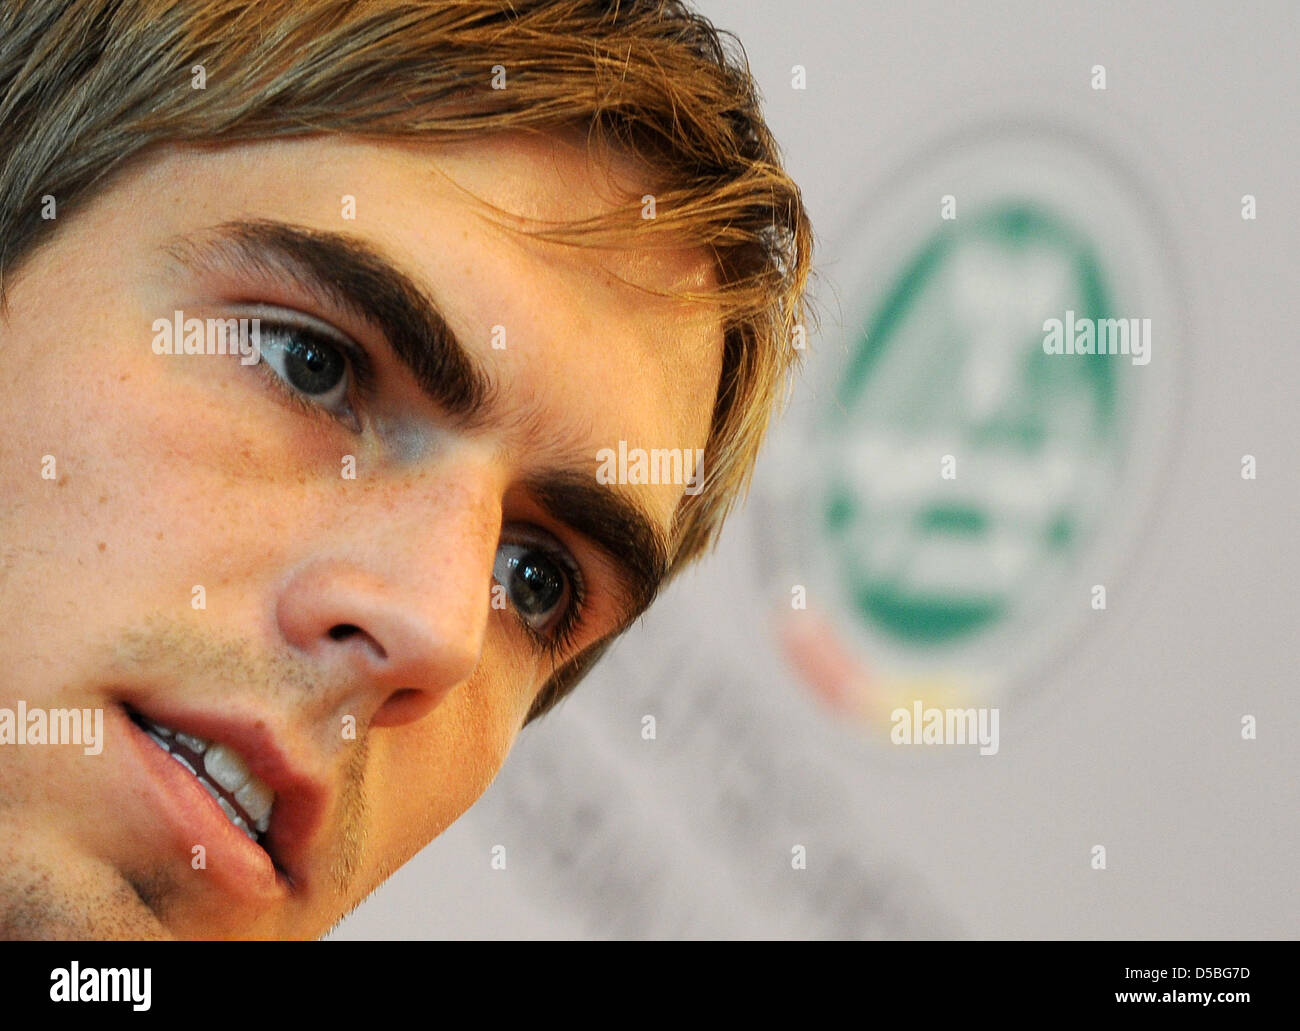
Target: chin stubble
<point>41,902</point>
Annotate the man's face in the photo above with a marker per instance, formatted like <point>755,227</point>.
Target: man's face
<point>296,559</point>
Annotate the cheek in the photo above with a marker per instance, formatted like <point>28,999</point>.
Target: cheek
<point>68,468</point>
<point>128,476</point>
<point>423,776</point>
<point>89,458</point>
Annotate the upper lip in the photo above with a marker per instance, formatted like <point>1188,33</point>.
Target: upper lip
<point>300,800</point>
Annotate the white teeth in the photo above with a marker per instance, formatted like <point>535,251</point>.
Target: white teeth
<point>256,798</point>
<point>195,744</point>
<point>225,766</point>
<point>161,740</point>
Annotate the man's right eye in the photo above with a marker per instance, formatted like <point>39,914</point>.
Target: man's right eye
<point>313,367</point>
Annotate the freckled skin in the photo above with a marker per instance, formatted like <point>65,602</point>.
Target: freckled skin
<point>182,471</point>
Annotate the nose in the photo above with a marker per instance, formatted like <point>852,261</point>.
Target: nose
<point>394,609</point>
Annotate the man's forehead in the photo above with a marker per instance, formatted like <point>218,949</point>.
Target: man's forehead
<point>606,302</point>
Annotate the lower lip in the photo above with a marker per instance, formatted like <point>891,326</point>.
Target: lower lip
<point>232,861</point>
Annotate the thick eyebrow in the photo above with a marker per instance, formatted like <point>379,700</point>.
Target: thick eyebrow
<point>615,524</point>
<point>351,273</point>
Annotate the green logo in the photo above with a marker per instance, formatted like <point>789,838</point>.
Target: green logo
<point>965,465</point>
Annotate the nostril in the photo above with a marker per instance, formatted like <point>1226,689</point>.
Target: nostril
<point>347,631</point>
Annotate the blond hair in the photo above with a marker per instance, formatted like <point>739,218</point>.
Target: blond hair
<point>86,86</point>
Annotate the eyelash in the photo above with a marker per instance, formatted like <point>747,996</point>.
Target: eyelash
<point>554,642</point>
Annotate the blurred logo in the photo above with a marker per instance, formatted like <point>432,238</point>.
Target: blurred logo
<point>952,364</point>
<point>964,488</point>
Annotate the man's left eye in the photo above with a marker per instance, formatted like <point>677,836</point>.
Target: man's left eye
<point>537,583</point>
